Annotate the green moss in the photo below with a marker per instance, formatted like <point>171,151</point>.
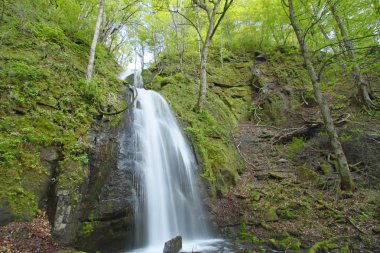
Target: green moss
<point>270,214</point>
<point>255,195</point>
<point>250,238</point>
<point>286,243</point>
<point>327,169</point>
<point>331,244</point>
<point>87,228</point>
<point>297,144</point>
<point>274,108</point>
<point>44,103</point>
<point>308,175</point>
<point>293,210</point>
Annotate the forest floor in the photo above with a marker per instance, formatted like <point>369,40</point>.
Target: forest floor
<point>288,199</point>
<point>28,237</point>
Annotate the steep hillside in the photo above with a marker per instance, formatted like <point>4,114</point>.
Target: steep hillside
<point>287,196</point>
<point>46,111</point>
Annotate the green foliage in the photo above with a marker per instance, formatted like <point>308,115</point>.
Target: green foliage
<point>43,99</point>
<point>247,236</point>
<point>297,144</point>
<point>88,227</point>
<point>48,32</point>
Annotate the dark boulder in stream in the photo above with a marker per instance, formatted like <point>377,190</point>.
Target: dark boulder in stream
<point>174,245</point>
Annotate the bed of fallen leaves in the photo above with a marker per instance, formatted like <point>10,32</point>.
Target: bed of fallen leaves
<point>28,237</point>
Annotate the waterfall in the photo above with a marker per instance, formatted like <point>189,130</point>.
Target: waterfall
<point>169,202</point>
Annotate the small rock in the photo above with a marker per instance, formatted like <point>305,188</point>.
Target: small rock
<point>271,215</point>
<point>174,245</point>
<point>282,160</point>
<point>376,230</point>
<point>277,175</point>
<point>49,154</point>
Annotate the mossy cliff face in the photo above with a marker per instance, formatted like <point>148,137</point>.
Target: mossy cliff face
<point>46,111</point>
<point>108,205</point>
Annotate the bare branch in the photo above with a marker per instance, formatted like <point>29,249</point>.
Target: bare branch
<point>340,41</point>
<point>191,23</point>
<point>227,5</point>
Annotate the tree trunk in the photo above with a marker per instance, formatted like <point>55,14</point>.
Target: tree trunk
<point>206,45</point>
<point>326,36</point>
<point>90,66</point>
<point>363,90</point>
<point>203,78</point>
<point>347,183</point>
<point>199,38</point>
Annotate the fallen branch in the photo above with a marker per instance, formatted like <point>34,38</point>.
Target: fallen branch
<point>288,134</point>
<point>351,221</point>
<point>241,154</point>
<point>303,98</point>
<point>223,85</point>
<point>47,105</point>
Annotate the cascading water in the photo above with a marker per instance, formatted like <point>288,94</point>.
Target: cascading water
<point>169,202</point>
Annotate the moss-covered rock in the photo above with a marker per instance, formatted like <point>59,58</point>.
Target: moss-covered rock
<point>270,214</point>
<point>308,175</point>
<point>340,243</point>
<point>286,242</point>
<point>292,210</point>
<point>45,104</point>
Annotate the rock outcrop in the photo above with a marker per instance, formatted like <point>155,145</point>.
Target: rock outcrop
<point>97,211</point>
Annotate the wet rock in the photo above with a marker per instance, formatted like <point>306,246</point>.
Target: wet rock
<point>174,245</point>
<point>109,200</point>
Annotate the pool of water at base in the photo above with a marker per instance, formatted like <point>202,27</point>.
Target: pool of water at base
<point>194,246</point>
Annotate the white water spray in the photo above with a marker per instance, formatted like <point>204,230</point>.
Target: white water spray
<point>169,201</point>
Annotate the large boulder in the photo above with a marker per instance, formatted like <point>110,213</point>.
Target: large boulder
<point>174,245</point>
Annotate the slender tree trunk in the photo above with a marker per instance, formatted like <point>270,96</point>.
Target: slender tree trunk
<point>324,33</point>
<point>90,66</point>
<point>363,90</point>
<point>347,183</point>
<point>206,45</point>
<point>154,47</point>
<point>199,38</point>
<point>221,52</point>
<point>203,77</point>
